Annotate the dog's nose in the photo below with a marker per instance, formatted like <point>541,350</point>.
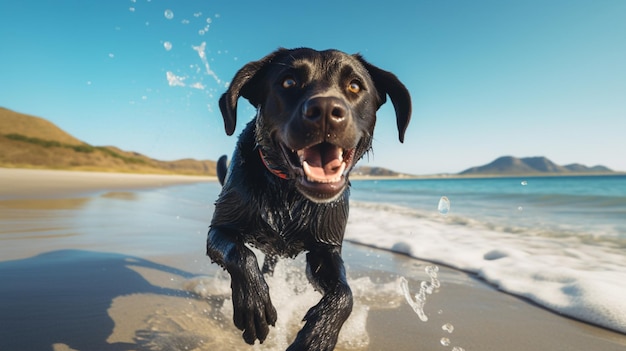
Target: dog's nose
<point>325,110</point>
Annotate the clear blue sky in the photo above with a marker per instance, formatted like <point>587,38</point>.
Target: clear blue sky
<point>488,78</point>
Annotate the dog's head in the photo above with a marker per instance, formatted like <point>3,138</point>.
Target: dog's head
<point>316,114</point>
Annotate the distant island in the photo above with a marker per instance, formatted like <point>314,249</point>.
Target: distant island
<point>33,142</point>
<point>509,165</point>
<point>367,171</point>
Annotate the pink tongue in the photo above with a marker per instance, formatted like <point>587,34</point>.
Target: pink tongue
<point>323,162</point>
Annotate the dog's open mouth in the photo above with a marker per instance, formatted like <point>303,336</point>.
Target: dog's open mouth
<point>323,168</point>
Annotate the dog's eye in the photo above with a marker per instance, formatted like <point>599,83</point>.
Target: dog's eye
<point>289,83</point>
<point>354,87</point>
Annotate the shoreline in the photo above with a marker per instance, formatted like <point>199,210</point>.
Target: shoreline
<point>127,264</point>
<point>483,317</point>
<point>40,183</point>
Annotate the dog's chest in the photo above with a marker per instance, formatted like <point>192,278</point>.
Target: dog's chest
<point>289,221</point>
<point>294,226</point>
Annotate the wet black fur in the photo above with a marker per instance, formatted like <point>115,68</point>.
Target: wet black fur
<point>258,208</point>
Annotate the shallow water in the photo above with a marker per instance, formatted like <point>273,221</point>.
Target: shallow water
<point>75,264</point>
<point>558,241</point>
<point>126,270</point>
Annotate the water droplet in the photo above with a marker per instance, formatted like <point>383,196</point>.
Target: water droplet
<point>169,14</point>
<point>456,348</point>
<point>167,45</point>
<point>448,327</point>
<point>444,205</point>
<point>418,303</point>
<point>445,341</point>
<point>520,208</point>
<point>524,183</point>
<point>131,9</point>
<point>201,32</point>
<point>209,20</point>
<point>432,270</point>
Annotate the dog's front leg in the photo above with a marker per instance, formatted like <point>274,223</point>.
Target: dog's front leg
<point>253,309</point>
<point>323,321</point>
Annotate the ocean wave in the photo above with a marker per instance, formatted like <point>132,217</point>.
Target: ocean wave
<point>523,224</point>
<point>578,276</point>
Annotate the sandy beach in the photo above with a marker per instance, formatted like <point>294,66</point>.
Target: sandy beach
<point>100,261</point>
<point>35,183</point>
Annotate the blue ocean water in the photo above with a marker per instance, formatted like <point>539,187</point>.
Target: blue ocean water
<point>591,206</point>
<point>558,241</point>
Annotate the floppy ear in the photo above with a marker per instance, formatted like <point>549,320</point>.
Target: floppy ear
<point>246,83</point>
<point>388,84</point>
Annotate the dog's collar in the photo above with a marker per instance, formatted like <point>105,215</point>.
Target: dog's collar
<point>272,168</point>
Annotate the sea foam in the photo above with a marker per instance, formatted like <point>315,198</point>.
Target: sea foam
<point>569,275</point>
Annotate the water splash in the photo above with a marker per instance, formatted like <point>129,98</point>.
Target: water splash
<point>174,80</point>
<point>426,288</point>
<point>201,50</point>
<point>448,327</point>
<point>292,296</point>
<point>444,341</point>
<point>444,205</point>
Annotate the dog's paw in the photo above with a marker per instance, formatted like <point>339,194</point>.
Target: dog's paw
<point>253,309</point>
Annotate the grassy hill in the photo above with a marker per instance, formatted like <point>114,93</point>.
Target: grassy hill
<point>33,142</point>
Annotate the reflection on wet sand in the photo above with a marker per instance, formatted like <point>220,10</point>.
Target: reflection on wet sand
<point>14,214</point>
<point>120,195</point>
<point>42,204</point>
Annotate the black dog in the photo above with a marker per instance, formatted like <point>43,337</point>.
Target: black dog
<point>286,190</point>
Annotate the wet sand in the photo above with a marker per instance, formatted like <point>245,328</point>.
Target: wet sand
<point>101,262</point>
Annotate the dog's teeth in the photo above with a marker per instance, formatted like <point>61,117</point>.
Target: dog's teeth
<point>307,171</point>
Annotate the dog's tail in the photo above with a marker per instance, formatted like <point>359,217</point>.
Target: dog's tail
<point>222,168</point>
